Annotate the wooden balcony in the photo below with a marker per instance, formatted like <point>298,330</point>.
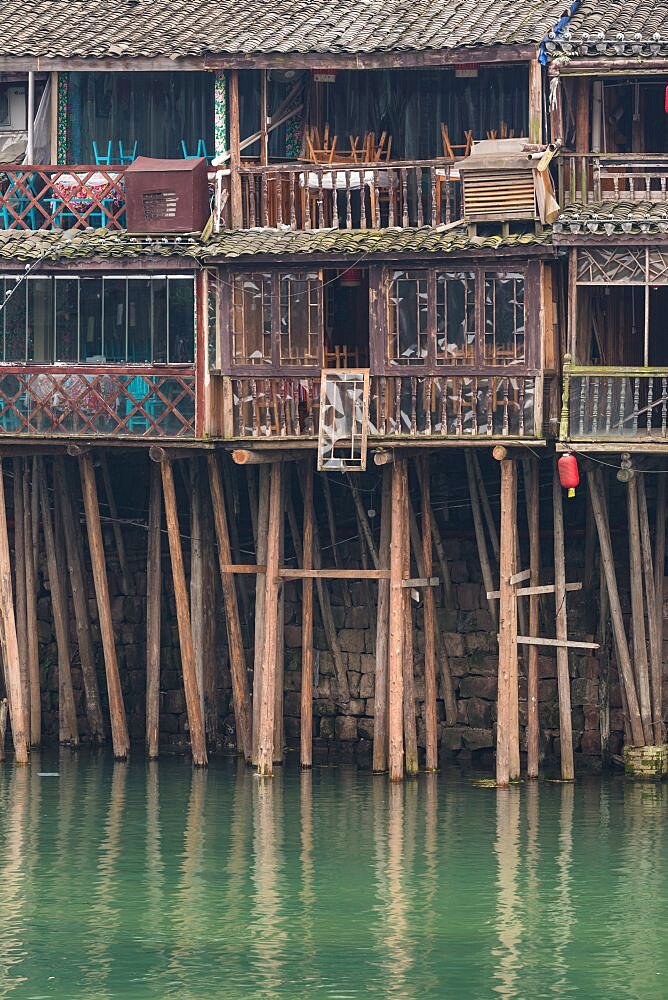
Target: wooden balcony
<point>400,406</point>
<point>82,400</point>
<point>48,197</point>
<point>591,178</point>
<point>615,404</point>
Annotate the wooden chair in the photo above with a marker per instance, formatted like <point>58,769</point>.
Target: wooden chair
<point>319,150</point>
<point>450,148</point>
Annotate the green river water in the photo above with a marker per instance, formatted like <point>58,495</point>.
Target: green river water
<point>158,881</point>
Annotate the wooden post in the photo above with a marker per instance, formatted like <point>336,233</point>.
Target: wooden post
<point>31,612</point>
<point>660,561</point>
<point>448,592</point>
<point>507,678</point>
<point>20,584</point>
<point>641,668</point>
<point>431,719</point>
<point>79,590</point>
<point>240,694</point>
<point>563,678</point>
<point>396,646</point>
<point>486,506</point>
<point>67,716</point>
<point>532,493</point>
<point>193,703</point>
<point>119,730</point>
<point>655,664</point>
<point>10,647</point>
<point>116,526</point>
<point>481,542</point>
<point>153,612</point>
<point>260,595</point>
<point>265,755</point>
<point>382,629</point>
<point>306,738</point>
<point>4,710</point>
<point>209,589</point>
<point>235,153</point>
<point>197,596</point>
<point>279,732</point>
<point>410,726</point>
<point>621,645</point>
<point>535,101</point>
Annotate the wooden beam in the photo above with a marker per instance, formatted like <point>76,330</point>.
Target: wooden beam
<point>288,573</point>
<point>506,736</point>
<point>119,730</point>
<point>530,469</point>
<point>244,456</point>
<point>197,595</point>
<point>430,693</point>
<point>265,752</point>
<point>544,588</point>
<point>306,711</point>
<point>520,577</point>
<point>20,584</point>
<point>396,644</point>
<point>535,640</point>
<point>418,582</point>
<point>640,665</point>
<point>236,208</point>
<point>481,541</point>
<point>116,526</point>
<point>382,629</point>
<point>660,564</point>
<point>563,677</point>
<point>31,610</point>
<point>18,711</point>
<point>153,612</point>
<point>535,101</point>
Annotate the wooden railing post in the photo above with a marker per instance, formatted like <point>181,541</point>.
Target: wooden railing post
<point>563,423</point>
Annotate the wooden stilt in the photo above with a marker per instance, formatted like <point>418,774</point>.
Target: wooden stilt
<point>238,671</point>
<point>655,664</point>
<point>20,584</point>
<point>448,592</point>
<point>363,520</point>
<point>623,658</point>
<point>396,644</point>
<point>411,763</point>
<point>563,677</point>
<point>659,565</point>
<point>279,734</point>
<point>641,667</point>
<point>331,524</point>
<point>530,469</point>
<point>431,718</point>
<point>31,612</point>
<point>265,757</point>
<point>306,724</point>
<point>252,501</point>
<point>67,716</point>
<point>119,730</point>
<point>486,508</point>
<point>382,629</point>
<point>193,703</point>
<point>74,556</point>
<point>507,679</point>
<point>232,504</point>
<point>10,647</point>
<point>34,511</point>
<point>209,590</point>
<point>4,711</point>
<point>481,541</point>
<point>197,577</point>
<point>119,543</point>
<point>153,612</point>
<point>260,596</point>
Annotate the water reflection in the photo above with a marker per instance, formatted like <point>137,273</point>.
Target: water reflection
<point>508,923</point>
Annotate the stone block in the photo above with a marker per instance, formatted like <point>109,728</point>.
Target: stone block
<point>367,663</point>
<point>324,688</point>
<point>351,640</point>
<point>292,704</point>
<point>367,686</point>
<point>354,683</point>
<point>477,642</point>
<point>345,727</point>
<point>547,667</point>
<point>646,763</point>
<point>324,706</point>
<point>370,707</point>
<point>591,742</point>
<point>365,729</point>
<point>475,686</point>
<point>591,718</point>
<point>356,706</point>
<point>479,713</point>
<point>452,737</point>
<point>458,570</point>
<point>174,701</point>
<point>293,636</point>
<point>327,728</point>
<point>326,664</point>
<point>357,617</point>
<point>454,644</point>
<point>292,680</point>
<point>584,691</point>
<point>547,691</point>
<point>468,596</point>
<point>478,739</point>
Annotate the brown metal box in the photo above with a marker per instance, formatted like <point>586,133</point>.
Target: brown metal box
<point>166,196</point>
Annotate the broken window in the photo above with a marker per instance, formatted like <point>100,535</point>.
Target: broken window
<point>455,318</point>
<point>504,319</point>
<point>301,320</point>
<point>251,319</point>
<point>409,318</point>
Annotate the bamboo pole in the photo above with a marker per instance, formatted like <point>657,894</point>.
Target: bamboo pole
<point>67,716</point>
<point>655,664</point>
<point>31,612</point>
<point>306,724</point>
<point>10,648</point>
<point>532,493</point>
<point>74,557</point>
<point>119,730</point>
<point>640,664</point>
<point>20,584</point>
<point>411,763</point>
<point>238,671</point>
<point>396,640</point>
<point>265,755</point>
<point>193,704</point>
<point>153,612</point>
<point>260,595</point>
<point>382,629</point>
<point>431,719</point>
<point>563,678</point>
<point>621,645</point>
<point>507,678</point>
<point>119,543</point>
<point>481,541</point>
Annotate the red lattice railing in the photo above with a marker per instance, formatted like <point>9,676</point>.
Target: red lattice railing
<point>45,401</point>
<point>67,197</point>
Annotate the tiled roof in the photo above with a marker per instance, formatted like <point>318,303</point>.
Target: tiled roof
<point>613,218</point>
<point>180,28</point>
<point>614,28</point>
<point>25,246</point>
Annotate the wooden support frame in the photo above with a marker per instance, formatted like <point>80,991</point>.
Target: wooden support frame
<point>430,693</point>
<point>380,722</point>
<point>530,469</point>
<point>153,612</point>
<point>411,764</point>
<point>265,751</point>
<point>306,711</point>
<point>20,583</point>
<point>31,608</point>
<point>640,663</point>
<point>10,648</point>
<point>507,737</point>
<point>396,637</point>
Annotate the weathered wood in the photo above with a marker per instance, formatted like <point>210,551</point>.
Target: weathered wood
<point>289,573</point>
<point>382,629</point>
<point>231,491</point>
<point>520,577</point>
<point>67,717</point>
<point>544,588</point>
<point>34,512</point>
<point>4,711</point>
<point>153,612</point>
<point>197,577</point>
<point>244,456</point>
<point>279,729</point>
<point>481,541</point>
<point>532,494</point>
<point>623,658</point>
<point>265,753</point>
<point>655,664</point>
<point>396,638</point>
<point>430,694</point>
<point>660,560</point>
<point>193,703</point>
<point>75,567</point>
<point>411,763</point>
<point>535,101</point>
<point>10,649</point>
<point>534,640</point>
<point>31,610</point>
<point>20,584</point>
<point>119,543</point>
<point>490,522</point>
<point>563,677</point>
<point>236,207</point>
<point>506,736</point>
<point>640,665</point>
<point>238,670</point>
<point>209,590</point>
<point>416,582</point>
<point>363,520</point>
<point>119,730</point>
<point>448,592</point>
<point>306,721</point>
<point>260,595</point>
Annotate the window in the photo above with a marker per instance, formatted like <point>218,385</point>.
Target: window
<point>98,320</point>
<point>301,336</point>
<point>504,319</point>
<point>409,323</point>
<point>251,319</point>
<point>455,318</point>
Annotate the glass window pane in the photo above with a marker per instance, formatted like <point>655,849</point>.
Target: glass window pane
<point>455,319</point>
<point>40,319</point>
<point>408,320</point>
<point>14,320</point>
<point>115,290</point>
<point>160,321</point>
<point>504,319</point>
<point>181,320</point>
<point>301,324</point>
<point>140,318</point>
<point>67,319</point>
<point>251,319</point>
<point>90,323</point>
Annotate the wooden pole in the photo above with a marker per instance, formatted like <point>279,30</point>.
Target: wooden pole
<point>20,584</point>
<point>535,101</point>
<point>655,664</point>
<point>67,716</point>
<point>448,592</point>
<point>396,644</point>
<point>382,629</point>
<point>563,677</point>
<point>10,648</point>
<point>532,493</point>
<point>279,732</point>
<point>659,564</point>
<point>507,678</point>
<point>119,730</point>
<point>235,151</point>
<point>31,612</point>
<point>638,611</point>
<point>4,710</point>
<point>306,732</point>
<point>193,703</point>
<point>265,755</point>
<point>238,671</point>
<point>431,718</point>
<point>486,507</point>
<point>197,577</point>
<point>481,541</point>
<point>153,612</point>
<point>233,504</point>
<point>126,577</point>
<point>410,725</point>
<point>74,557</point>
<point>209,589</point>
<point>260,596</point>
<point>34,511</point>
<point>621,645</point>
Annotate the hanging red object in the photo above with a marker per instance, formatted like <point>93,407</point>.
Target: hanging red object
<point>569,474</point>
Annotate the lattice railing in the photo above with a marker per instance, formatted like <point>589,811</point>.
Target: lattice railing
<point>598,177</point>
<point>67,197</point>
<point>45,401</point>
<point>615,403</point>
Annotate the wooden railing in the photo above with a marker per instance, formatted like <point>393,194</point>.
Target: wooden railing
<point>400,406</point>
<point>68,197</point>
<point>614,403</point>
<point>595,177</point>
<point>324,196</point>
<point>45,400</point>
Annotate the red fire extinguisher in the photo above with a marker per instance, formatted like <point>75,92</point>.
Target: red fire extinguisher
<point>569,474</point>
